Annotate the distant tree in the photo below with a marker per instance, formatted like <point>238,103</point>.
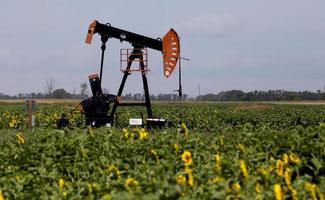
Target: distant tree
<point>49,86</point>
<point>153,97</point>
<point>210,97</point>
<point>32,95</point>
<point>128,96</point>
<point>4,96</point>
<point>270,95</point>
<point>83,90</point>
<point>237,95</point>
<point>21,96</point>
<point>61,94</point>
<point>137,96</point>
<point>185,96</point>
<point>74,93</point>
<point>163,97</point>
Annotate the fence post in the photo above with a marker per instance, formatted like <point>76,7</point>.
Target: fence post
<point>30,108</point>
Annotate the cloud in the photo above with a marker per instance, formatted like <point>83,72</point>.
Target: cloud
<point>209,25</point>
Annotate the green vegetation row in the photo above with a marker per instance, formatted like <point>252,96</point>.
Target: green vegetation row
<point>197,116</point>
<point>220,151</point>
<point>108,163</point>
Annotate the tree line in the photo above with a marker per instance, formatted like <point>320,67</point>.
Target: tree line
<point>51,92</point>
<point>60,93</point>
<point>231,95</point>
<point>63,94</point>
<point>56,94</point>
<point>270,95</point>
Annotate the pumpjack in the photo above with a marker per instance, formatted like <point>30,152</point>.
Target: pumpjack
<point>97,108</point>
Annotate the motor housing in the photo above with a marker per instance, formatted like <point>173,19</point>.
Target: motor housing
<point>96,109</point>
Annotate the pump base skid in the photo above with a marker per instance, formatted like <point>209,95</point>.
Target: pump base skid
<point>156,122</point>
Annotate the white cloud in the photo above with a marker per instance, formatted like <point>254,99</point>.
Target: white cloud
<point>209,25</point>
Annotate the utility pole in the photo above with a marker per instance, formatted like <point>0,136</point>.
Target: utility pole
<point>180,89</point>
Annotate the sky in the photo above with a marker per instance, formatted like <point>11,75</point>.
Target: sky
<point>232,44</point>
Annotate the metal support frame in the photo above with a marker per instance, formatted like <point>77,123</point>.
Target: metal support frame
<point>136,54</point>
<point>124,58</point>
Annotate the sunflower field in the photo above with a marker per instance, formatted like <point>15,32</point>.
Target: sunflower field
<point>208,151</point>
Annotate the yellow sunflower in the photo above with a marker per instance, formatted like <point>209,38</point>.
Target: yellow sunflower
<point>61,183</point>
<point>279,167</point>
<point>243,168</point>
<point>129,183</point>
<point>184,130</point>
<point>294,158</point>
<point>187,158</point>
<point>20,138</point>
<point>180,179</point>
<point>277,192</point>
<point>218,161</point>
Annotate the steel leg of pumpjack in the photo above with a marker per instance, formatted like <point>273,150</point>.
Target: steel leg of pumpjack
<point>135,54</point>
<point>145,87</point>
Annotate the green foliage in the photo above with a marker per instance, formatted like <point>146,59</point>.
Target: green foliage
<point>270,143</point>
<point>198,116</point>
<point>60,94</point>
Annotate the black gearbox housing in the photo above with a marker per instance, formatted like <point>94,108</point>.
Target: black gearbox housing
<point>96,109</point>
